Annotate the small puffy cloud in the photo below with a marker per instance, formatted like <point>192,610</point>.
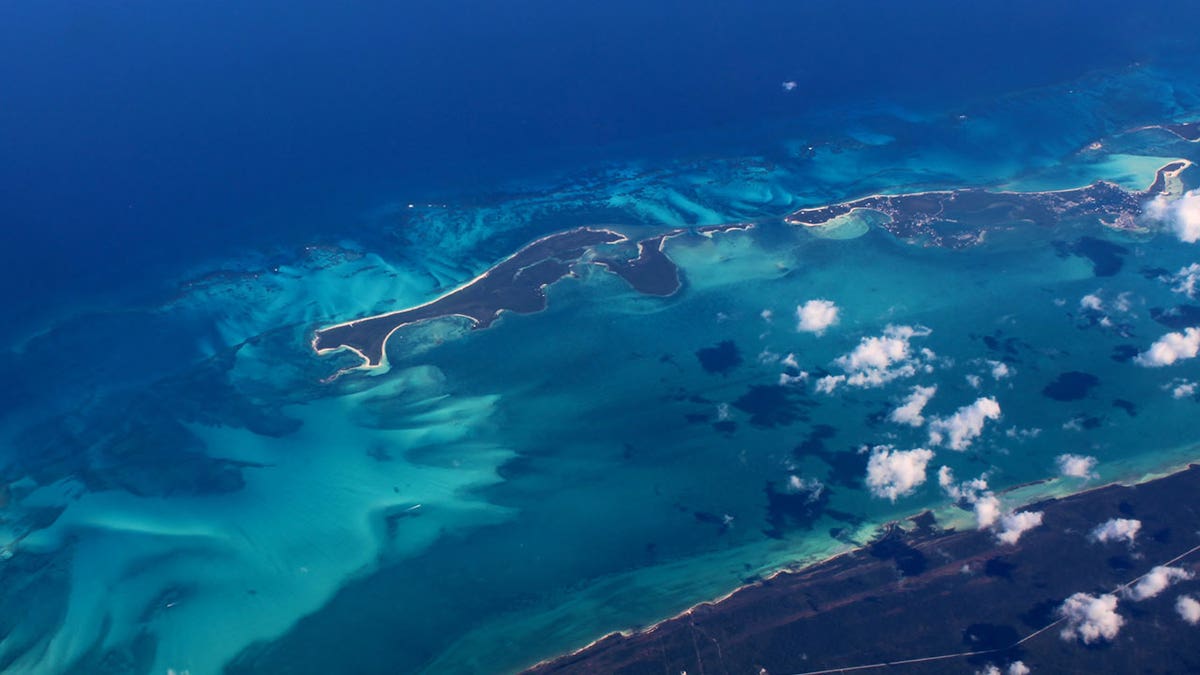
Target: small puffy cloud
<point>964,426</point>
<point>829,383</point>
<point>789,85</point>
<point>1182,389</point>
<point>1185,280</point>
<point>1188,608</point>
<point>895,473</point>
<point>984,503</point>
<point>1117,529</point>
<point>767,315</point>
<point>788,380</point>
<point>815,316</point>
<point>1097,309</point>
<point>1013,525</point>
<point>813,488</point>
<point>967,491</point>
<point>1000,370</point>
<point>1014,668</point>
<point>910,410</point>
<point>974,380</point>
<point>793,376</point>
<point>880,359</point>
<point>1090,618</point>
<point>1023,434</point>
<point>1170,348</point>
<point>1156,581</point>
<point>1181,216</point>
<point>987,511</point>
<point>1076,466</point>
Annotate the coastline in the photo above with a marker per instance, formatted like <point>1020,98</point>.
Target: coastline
<point>508,289</point>
<point>378,360</point>
<point>1171,169</point>
<point>946,526</point>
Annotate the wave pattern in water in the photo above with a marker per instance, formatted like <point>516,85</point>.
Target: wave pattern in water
<point>604,463</point>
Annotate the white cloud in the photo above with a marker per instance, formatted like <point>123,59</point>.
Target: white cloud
<point>1073,424</point>
<point>789,85</point>
<point>1182,388</point>
<point>1013,525</point>
<point>767,315</point>
<point>1000,370</point>
<point>1076,466</point>
<point>1117,529</point>
<point>1023,434</point>
<point>1170,348</point>
<point>827,384</point>
<point>1090,618</point>
<point>1181,216</point>
<point>1092,301</point>
<point>815,316</point>
<point>812,487</point>
<point>1014,668</point>
<point>960,429</point>
<point>895,473</point>
<point>909,412</point>
<point>1188,608</point>
<point>974,380</point>
<point>786,380</point>
<point>975,492</point>
<point>878,360</point>
<point>1156,581</point>
<point>968,491</point>
<point>1186,279</point>
<point>987,511</point>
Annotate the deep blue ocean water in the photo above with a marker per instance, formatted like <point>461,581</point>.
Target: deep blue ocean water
<point>139,137</point>
<point>188,190</point>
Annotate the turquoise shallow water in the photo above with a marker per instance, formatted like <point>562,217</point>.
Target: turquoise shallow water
<point>201,500</point>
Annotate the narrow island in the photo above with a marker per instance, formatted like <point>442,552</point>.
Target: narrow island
<point>1188,131</point>
<point>518,284</point>
<point>961,218</point>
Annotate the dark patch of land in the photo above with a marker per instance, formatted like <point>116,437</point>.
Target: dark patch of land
<point>933,592</point>
<point>516,284</point>
<point>651,272</point>
<point>960,218</point>
<point>1188,131</point>
<point>1160,178</point>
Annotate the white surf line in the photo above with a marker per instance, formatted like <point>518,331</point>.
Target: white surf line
<point>383,362</point>
<point>959,655</point>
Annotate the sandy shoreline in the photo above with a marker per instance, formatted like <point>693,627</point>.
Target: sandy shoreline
<point>1166,471</point>
<point>793,218</point>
